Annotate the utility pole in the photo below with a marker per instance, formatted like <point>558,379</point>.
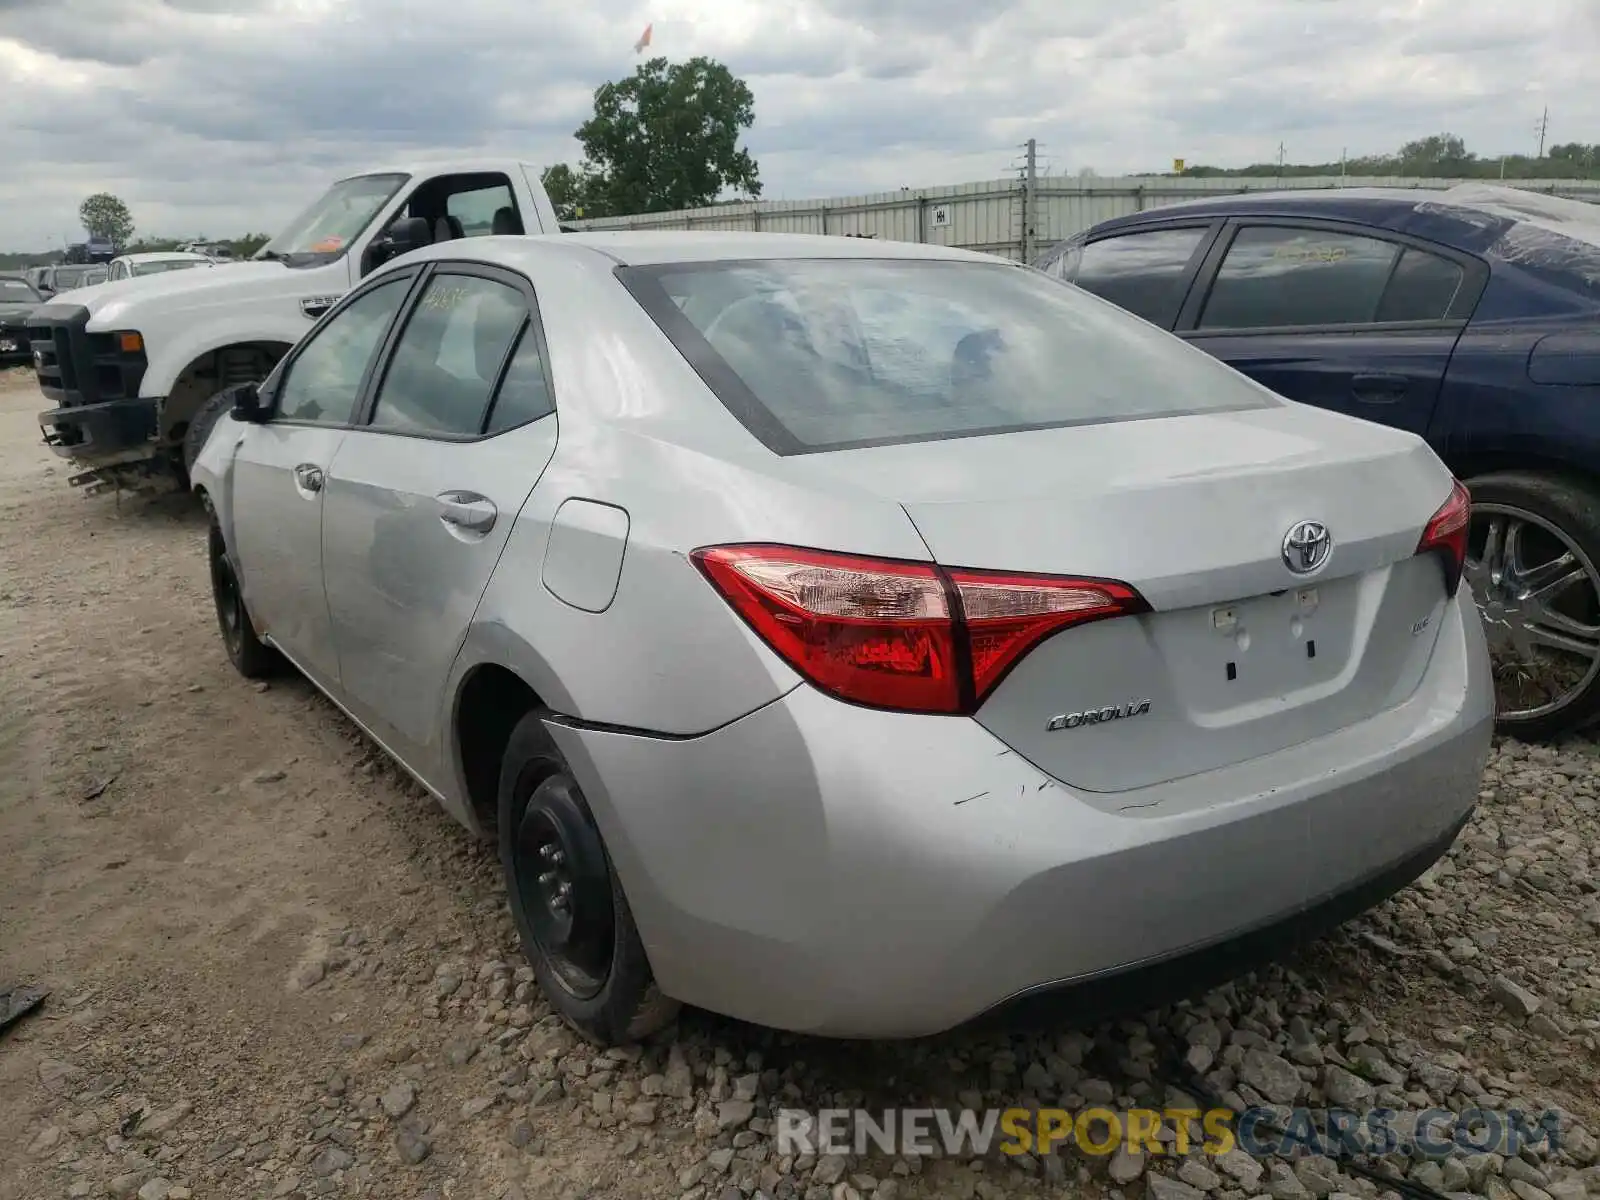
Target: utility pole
<point>1544,124</point>
<point>1343,152</point>
<point>1030,201</point>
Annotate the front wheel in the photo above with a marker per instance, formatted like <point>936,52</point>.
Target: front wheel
<point>201,425</point>
<point>1533,563</point>
<point>572,918</point>
<point>250,656</point>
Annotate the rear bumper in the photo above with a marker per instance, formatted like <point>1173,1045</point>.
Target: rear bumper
<point>835,870</point>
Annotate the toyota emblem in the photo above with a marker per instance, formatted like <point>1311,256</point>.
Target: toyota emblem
<point>1306,547</point>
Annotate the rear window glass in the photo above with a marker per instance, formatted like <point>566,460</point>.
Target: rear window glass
<point>826,354</point>
<point>1142,272</point>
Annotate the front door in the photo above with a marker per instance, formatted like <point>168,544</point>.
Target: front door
<point>1356,324</point>
<point>280,477</point>
<point>423,493</point>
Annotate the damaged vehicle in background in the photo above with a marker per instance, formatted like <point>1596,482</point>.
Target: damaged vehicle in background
<point>869,636</point>
<point>1470,317</point>
<point>18,298</point>
<point>69,277</point>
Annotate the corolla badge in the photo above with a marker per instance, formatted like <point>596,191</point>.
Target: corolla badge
<point>1306,547</point>
<point>1097,716</point>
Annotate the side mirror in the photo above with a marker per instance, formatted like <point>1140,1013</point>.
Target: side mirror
<point>247,405</point>
<point>403,236</point>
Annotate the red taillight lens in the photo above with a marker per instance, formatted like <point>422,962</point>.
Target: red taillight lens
<point>1446,535</point>
<point>901,635</point>
<point>1007,615</point>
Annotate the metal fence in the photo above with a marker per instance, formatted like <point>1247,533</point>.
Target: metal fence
<point>994,216</point>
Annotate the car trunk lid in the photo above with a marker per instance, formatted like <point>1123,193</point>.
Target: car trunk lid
<point>1239,656</point>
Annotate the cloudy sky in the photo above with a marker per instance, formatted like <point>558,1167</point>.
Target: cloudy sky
<point>216,117</point>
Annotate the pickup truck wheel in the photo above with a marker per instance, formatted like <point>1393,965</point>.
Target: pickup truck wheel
<point>573,920</point>
<point>250,656</point>
<point>1533,562</point>
<point>200,426</point>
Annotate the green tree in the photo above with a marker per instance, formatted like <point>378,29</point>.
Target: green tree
<point>247,245</point>
<point>566,189</point>
<point>1574,153</point>
<point>667,137</point>
<point>102,215</point>
<point>1437,154</point>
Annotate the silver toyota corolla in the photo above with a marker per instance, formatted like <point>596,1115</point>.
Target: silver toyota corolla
<point>850,637</point>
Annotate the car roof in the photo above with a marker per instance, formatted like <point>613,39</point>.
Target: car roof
<point>1469,216</point>
<point>662,247</point>
<point>158,256</point>
<point>453,166</point>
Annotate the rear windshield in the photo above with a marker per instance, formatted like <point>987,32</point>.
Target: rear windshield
<point>829,354</point>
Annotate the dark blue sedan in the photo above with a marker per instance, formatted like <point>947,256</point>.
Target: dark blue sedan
<point>1470,317</point>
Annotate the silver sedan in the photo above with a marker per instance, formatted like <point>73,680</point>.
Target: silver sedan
<point>851,637</point>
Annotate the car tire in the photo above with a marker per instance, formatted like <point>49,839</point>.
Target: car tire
<point>250,656</point>
<point>200,427</point>
<point>1552,510</point>
<point>587,956</point>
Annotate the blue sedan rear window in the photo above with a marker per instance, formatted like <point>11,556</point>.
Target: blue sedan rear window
<point>825,354</point>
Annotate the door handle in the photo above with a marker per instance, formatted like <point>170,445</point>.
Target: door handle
<point>308,477</point>
<point>468,511</point>
<point>1379,388</point>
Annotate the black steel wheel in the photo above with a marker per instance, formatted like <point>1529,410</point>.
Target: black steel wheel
<point>571,915</point>
<point>564,884</point>
<point>250,656</point>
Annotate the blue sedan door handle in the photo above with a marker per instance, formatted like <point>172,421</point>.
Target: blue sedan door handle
<point>467,511</point>
<point>1379,389</point>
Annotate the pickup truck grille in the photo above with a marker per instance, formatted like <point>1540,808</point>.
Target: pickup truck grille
<point>76,367</point>
<point>93,381</point>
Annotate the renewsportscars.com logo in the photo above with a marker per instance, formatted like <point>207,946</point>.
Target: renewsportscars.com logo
<point>1259,1132</point>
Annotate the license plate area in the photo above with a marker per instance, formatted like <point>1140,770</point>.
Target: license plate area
<point>1262,647</point>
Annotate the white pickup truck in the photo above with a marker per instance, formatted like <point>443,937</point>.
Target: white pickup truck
<point>136,368</point>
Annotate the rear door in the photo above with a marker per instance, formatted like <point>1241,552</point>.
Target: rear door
<point>423,493</point>
<point>1147,271</point>
<point>1341,317</point>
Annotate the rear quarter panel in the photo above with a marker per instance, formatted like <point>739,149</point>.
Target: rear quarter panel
<point>1492,413</point>
<point>641,432</point>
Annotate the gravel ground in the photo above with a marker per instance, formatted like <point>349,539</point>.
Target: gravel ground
<point>278,970</point>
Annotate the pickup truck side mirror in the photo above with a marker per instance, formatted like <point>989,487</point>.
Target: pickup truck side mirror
<point>247,405</point>
<point>403,235</point>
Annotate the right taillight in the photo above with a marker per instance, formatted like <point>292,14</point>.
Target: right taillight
<point>1446,535</point>
<point>901,635</point>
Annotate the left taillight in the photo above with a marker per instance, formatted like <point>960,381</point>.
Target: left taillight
<point>893,634</point>
<point>1446,535</point>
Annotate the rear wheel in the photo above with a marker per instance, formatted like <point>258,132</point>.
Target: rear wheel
<point>250,656</point>
<point>574,922</point>
<point>1533,562</point>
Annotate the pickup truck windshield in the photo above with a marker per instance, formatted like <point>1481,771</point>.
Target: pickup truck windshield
<point>327,228</point>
